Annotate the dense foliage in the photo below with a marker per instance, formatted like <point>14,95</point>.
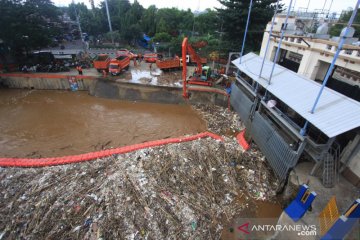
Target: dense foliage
<point>343,20</point>
<point>33,24</point>
<point>234,17</point>
<point>28,24</point>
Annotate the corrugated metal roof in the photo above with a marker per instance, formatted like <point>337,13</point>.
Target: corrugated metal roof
<point>334,114</point>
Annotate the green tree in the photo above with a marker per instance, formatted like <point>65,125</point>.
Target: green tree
<point>186,20</point>
<point>175,44</point>
<point>131,29</point>
<point>76,8</point>
<point>207,22</point>
<point>234,16</point>
<point>30,24</point>
<point>161,37</point>
<point>174,21</point>
<point>90,20</point>
<point>148,20</point>
<point>117,11</point>
<point>163,26</point>
<point>335,30</point>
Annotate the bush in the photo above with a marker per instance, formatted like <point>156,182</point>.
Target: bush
<point>161,37</point>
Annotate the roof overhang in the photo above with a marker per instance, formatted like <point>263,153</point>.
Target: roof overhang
<point>334,114</point>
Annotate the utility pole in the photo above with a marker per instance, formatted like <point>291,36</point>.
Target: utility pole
<point>78,23</point>
<point>193,28</point>
<point>307,7</point>
<point>77,20</point>
<point>108,17</point>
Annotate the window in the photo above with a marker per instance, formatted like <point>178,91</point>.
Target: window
<point>291,39</point>
<point>358,53</point>
<point>328,47</point>
<point>298,40</point>
<point>348,51</point>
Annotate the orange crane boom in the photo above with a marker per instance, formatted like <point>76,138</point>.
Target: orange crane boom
<point>186,48</point>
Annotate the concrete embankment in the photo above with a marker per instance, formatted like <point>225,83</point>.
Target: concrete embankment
<point>43,81</point>
<point>111,88</point>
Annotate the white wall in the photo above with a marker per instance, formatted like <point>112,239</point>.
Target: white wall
<point>312,57</point>
<point>316,58</point>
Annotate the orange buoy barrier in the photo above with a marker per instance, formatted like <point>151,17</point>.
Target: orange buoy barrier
<point>43,162</point>
<point>242,141</point>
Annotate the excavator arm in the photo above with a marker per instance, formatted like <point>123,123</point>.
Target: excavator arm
<point>195,58</point>
<point>186,48</point>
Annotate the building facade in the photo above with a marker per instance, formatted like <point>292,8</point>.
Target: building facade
<point>311,54</point>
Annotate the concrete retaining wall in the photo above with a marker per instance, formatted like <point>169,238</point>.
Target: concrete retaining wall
<point>160,94</point>
<point>109,88</point>
<point>135,92</point>
<point>215,97</point>
<point>43,81</point>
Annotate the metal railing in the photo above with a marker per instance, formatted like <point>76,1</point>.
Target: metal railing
<point>241,103</point>
<point>280,154</point>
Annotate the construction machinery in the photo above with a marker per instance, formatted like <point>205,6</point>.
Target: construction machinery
<point>175,63</point>
<point>125,52</point>
<point>118,64</point>
<point>101,62</point>
<point>167,64</point>
<point>199,44</point>
<point>151,57</point>
<point>201,75</point>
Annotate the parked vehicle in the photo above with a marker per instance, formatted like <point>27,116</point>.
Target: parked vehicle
<point>125,52</point>
<point>101,62</point>
<point>171,63</point>
<point>118,64</point>
<point>150,57</point>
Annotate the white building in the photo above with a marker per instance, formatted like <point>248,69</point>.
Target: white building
<point>311,54</point>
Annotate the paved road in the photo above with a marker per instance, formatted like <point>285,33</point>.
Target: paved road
<point>77,46</point>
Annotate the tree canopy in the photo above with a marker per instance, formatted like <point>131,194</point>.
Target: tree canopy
<point>234,17</point>
<point>335,30</point>
<point>28,24</point>
<point>33,23</point>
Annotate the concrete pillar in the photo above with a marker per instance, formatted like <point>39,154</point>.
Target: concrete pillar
<point>309,65</point>
<point>263,44</point>
<point>322,70</point>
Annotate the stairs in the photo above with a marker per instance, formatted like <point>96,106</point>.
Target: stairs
<point>330,174</point>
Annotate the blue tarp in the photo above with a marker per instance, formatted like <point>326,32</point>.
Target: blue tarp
<point>144,41</point>
<point>147,38</point>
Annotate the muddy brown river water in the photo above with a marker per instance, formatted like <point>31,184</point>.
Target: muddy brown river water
<point>56,123</point>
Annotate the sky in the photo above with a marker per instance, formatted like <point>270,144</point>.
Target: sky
<point>336,6</point>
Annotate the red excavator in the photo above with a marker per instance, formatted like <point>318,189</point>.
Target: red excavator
<point>202,74</point>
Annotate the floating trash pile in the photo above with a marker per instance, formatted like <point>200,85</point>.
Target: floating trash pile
<point>188,190</point>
